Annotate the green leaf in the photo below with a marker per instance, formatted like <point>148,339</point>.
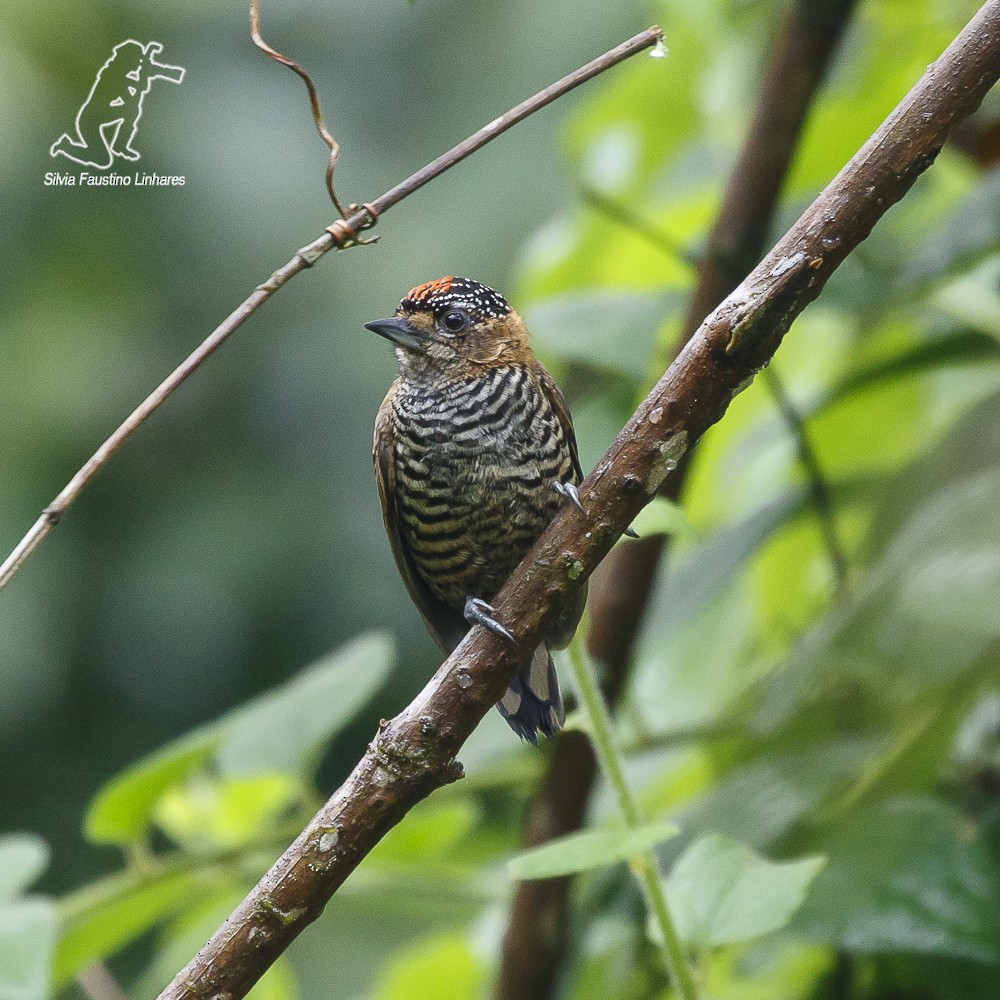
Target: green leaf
<point>590,849</point>
<point>721,892</point>
<point>762,799</point>
<point>23,857</point>
<point>606,329</point>
<point>703,573</point>
<point>281,731</point>
<point>774,968</point>
<point>432,830</point>
<point>699,642</point>
<point>631,102</point>
<point>905,875</point>
<point>27,941</point>
<point>922,620</point>
<point>971,229</point>
<point>443,968</point>
<point>285,729</point>
<point>120,812</point>
<point>662,517</point>
<point>211,815</point>
<point>961,346</point>
<point>278,983</point>
<point>103,917</point>
<point>974,298</point>
<point>866,86</point>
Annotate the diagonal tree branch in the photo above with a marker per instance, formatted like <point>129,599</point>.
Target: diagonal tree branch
<point>340,234</point>
<point>416,752</point>
<point>535,940</point>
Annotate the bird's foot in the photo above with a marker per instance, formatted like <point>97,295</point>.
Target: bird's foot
<point>569,492</point>
<point>478,612</point>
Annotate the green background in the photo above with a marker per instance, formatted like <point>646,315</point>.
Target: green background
<point>840,748</point>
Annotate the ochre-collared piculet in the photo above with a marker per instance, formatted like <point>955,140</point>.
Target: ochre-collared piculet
<point>474,452</point>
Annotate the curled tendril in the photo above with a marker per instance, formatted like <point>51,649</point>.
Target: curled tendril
<point>324,132</point>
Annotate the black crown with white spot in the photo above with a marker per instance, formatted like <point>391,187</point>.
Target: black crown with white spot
<point>461,293</point>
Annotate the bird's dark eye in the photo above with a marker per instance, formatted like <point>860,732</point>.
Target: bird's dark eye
<point>455,321</point>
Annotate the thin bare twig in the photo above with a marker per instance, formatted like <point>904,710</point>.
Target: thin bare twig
<point>819,489</point>
<point>324,132</point>
<point>625,215</point>
<point>342,233</point>
<point>535,940</point>
<point>415,753</point>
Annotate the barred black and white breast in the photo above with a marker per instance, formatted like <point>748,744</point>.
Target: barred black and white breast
<point>470,444</point>
<point>475,466</point>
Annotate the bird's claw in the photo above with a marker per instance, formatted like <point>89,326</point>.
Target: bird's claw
<point>569,492</point>
<point>478,612</point>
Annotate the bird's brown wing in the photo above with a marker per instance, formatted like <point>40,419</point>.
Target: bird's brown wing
<point>561,632</point>
<point>558,402</point>
<point>446,626</point>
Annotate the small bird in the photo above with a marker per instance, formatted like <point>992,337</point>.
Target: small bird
<point>474,453</point>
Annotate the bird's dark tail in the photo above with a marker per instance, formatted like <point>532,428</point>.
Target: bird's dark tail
<point>533,703</point>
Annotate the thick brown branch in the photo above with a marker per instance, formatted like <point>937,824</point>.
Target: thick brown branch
<point>416,751</point>
<point>341,233</point>
<point>535,940</point>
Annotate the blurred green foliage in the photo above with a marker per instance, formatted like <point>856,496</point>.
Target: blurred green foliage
<point>830,756</point>
<point>580,852</point>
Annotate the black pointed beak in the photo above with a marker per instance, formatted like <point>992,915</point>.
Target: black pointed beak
<point>399,330</point>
